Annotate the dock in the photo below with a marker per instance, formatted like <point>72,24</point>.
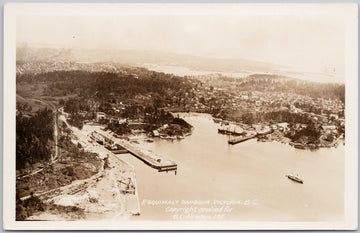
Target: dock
<point>239,139</point>
<point>229,132</point>
<point>236,140</point>
<point>119,151</point>
<point>149,158</point>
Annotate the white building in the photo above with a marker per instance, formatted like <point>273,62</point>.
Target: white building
<point>100,115</point>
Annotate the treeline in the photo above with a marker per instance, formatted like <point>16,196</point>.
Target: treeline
<point>119,129</point>
<point>75,105</point>
<point>182,122</point>
<point>102,85</point>
<point>153,115</point>
<point>76,120</point>
<point>310,134</point>
<point>157,117</point>
<point>32,137</point>
<point>153,119</point>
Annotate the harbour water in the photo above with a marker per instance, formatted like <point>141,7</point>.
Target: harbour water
<point>310,75</point>
<point>243,182</point>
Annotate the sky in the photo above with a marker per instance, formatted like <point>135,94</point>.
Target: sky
<point>313,42</point>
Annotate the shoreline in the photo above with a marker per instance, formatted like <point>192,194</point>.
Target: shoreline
<point>281,159</point>
<point>94,202</point>
<point>264,138</point>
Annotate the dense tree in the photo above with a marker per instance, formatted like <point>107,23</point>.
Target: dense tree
<point>101,84</point>
<point>119,129</point>
<point>311,133</point>
<point>76,120</point>
<point>32,137</point>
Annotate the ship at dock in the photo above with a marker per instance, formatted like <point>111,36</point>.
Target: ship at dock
<point>231,129</point>
<point>235,140</point>
<point>246,135</point>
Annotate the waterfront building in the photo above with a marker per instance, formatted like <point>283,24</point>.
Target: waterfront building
<point>100,115</point>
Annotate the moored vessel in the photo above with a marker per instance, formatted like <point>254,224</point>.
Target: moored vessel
<point>295,178</point>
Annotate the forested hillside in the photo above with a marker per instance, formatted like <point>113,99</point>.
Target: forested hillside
<point>102,84</point>
<point>33,135</point>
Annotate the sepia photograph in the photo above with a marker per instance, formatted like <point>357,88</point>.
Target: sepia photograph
<point>180,116</point>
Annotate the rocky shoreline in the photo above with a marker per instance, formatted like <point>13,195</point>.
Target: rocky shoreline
<point>275,132</point>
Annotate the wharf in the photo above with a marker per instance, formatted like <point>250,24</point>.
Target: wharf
<point>236,140</point>
<point>239,139</point>
<point>159,164</point>
<point>119,151</point>
<point>229,132</point>
<point>147,157</point>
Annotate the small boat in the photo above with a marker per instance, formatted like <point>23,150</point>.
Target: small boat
<point>217,120</point>
<point>295,178</point>
<point>126,187</point>
<point>135,213</point>
<point>149,140</point>
<point>167,137</point>
<point>299,146</point>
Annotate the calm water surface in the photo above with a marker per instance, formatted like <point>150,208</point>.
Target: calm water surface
<point>251,173</point>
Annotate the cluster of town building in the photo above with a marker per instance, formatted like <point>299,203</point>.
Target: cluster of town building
<point>43,67</point>
<point>226,96</point>
<point>215,95</point>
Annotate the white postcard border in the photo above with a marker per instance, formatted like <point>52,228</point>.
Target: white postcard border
<point>351,151</point>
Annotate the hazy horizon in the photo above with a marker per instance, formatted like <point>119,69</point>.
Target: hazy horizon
<point>312,43</point>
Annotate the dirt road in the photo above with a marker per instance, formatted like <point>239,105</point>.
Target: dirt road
<point>99,197</point>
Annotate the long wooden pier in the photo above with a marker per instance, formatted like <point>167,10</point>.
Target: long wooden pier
<point>236,140</point>
<point>160,164</point>
<point>149,158</point>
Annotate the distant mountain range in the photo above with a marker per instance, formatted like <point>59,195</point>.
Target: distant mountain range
<point>135,57</point>
<point>178,64</point>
